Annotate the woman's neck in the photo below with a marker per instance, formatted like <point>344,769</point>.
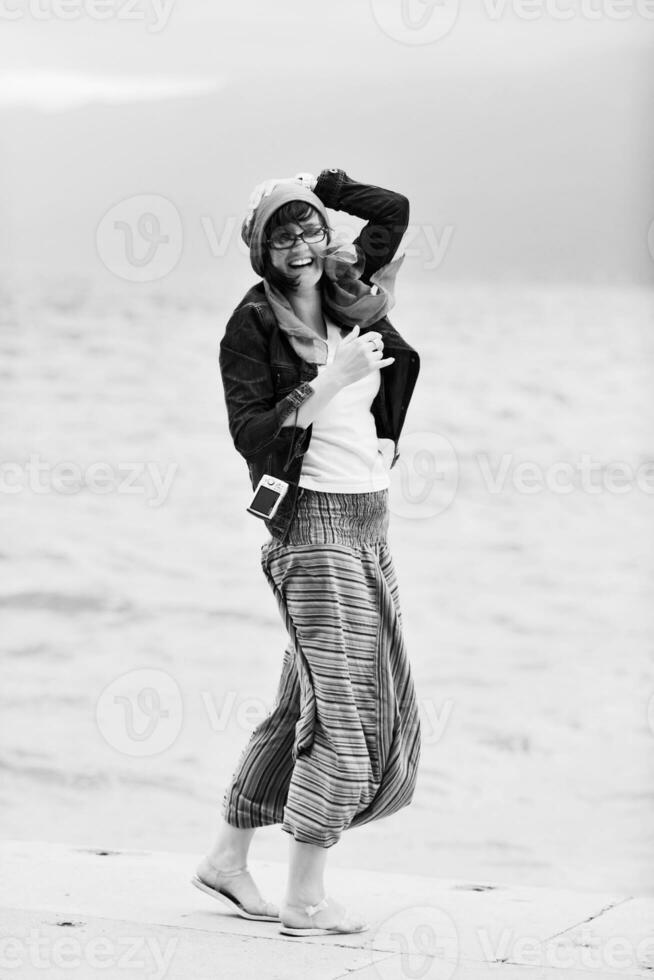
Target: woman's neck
<point>307,306</point>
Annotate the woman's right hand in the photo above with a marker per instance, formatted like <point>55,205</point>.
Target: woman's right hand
<point>355,357</point>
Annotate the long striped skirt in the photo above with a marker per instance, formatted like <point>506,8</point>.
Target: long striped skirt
<point>342,743</point>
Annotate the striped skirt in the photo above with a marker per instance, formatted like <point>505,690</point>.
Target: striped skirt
<point>342,743</point>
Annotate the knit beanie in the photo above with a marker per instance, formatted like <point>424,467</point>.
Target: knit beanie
<point>252,229</point>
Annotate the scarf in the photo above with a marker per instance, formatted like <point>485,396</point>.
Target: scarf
<point>345,298</point>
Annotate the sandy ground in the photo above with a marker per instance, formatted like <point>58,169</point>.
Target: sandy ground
<point>528,612</point>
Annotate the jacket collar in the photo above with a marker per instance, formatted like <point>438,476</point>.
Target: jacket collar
<point>256,296</point>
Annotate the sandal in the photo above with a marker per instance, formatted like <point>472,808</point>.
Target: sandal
<point>231,901</point>
<point>347,923</point>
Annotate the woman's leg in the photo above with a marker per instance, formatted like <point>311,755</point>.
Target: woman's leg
<point>306,887</point>
<point>357,735</point>
<point>230,850</point>
<point>306,868</point>
<point>256,794</point>
<point>229,855</point>
<point>333,773</point>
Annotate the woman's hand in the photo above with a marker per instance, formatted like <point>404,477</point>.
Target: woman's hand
<point>356,356</point>
<point>267,186</point>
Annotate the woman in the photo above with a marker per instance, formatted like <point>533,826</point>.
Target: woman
<point>317,384</point>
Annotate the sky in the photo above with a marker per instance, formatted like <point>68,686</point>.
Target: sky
<point>153,49</point>
<point>519,130</point>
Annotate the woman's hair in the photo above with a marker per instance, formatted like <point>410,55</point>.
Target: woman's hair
<point>294,212</point>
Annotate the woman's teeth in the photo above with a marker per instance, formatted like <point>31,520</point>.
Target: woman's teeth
<point>300,262</point>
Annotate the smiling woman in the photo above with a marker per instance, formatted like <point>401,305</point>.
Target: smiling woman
<point>291,227</point>
<point>342,744</point>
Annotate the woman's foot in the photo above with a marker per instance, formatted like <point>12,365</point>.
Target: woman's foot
<point>326,916</point>
<point>235,887</point>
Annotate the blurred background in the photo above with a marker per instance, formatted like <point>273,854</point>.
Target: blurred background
<point>141,644</point>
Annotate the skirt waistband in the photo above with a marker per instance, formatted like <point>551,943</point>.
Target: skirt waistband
<point>323,517</point>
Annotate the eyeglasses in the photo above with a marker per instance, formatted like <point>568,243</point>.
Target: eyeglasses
<point>285,239</point>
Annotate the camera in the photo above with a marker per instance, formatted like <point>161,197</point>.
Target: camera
<point>267,497</point>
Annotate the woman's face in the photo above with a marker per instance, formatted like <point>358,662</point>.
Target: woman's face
<point>303,259</point>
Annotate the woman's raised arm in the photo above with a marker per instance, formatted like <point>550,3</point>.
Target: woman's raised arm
<point>386,213</point>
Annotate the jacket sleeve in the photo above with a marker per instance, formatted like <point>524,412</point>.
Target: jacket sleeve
<point>255,419</point>
<point>386,213</point>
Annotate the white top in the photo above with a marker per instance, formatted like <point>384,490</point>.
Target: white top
<point>344,454</point>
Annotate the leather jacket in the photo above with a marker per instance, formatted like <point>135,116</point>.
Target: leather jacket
<point>264,380</point>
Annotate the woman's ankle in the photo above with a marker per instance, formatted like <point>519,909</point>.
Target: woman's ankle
<point>231,847</point>
<point>226,860</point>
<point>307,896</point>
